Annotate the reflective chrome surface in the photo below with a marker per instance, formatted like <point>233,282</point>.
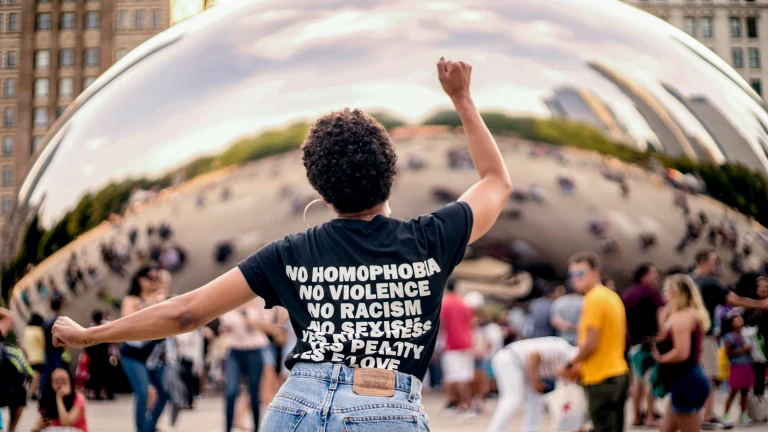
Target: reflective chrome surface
<point>199,98</point>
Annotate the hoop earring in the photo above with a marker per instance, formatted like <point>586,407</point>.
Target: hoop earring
<point>307,208</point>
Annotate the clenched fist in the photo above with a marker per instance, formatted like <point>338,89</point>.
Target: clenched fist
<point>454,77</point>
<point>68,333</point>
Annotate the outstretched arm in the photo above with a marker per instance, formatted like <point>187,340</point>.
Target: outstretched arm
<point>177,315</point>
<point>489,195</point>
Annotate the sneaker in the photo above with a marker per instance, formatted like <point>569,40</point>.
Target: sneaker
<point>726,421</point>
<point>744,420</point>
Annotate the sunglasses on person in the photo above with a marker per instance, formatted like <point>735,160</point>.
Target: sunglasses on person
<point>576,274</point>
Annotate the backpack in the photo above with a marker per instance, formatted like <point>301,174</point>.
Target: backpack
<point>14,372</point>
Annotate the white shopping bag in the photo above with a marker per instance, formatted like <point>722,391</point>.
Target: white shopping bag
<point>752,339</point>
<point>568,406</point>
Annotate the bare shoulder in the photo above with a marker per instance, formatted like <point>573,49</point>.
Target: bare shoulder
<point>683,319</point>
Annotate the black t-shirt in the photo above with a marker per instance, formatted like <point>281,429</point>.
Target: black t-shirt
<point>713,292</point>
<point>365,294</point>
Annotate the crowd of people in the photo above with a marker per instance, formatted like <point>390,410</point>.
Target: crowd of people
<point>685,336</point>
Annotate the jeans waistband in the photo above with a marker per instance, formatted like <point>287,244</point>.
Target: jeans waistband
<point>337,373</point>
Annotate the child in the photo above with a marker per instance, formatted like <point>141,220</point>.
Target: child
<point>742,377</point>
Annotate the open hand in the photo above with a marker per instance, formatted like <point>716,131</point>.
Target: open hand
<point>68,333</point>
<point>454,77</point>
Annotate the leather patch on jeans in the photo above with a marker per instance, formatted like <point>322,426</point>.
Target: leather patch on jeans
<point>374,382</point>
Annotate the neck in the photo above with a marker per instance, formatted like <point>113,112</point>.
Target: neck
<point>593,286</point>
<point>378,210</point>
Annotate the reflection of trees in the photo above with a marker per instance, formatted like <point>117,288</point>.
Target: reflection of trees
<point>94,208</point>
<point>733,184</point>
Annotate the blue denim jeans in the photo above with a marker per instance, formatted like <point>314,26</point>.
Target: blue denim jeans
<point>140,378</point>
<point>243,363</point>
<point>319,398</point>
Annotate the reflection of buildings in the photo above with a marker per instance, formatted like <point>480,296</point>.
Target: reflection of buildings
<point>183,9</point>
<point>50,51</point>
<point>731,143</point>
<point>671,137</point>
<point>584,106</point>
<point>730,29</point>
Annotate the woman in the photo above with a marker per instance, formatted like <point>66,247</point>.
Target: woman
<point>140,360</point>
<point>247,330</point>
<point>363,290</point>
<point>61,404</point>
<point>687,320</point>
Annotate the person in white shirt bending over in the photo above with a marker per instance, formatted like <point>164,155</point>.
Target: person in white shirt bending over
<point>524,371</point>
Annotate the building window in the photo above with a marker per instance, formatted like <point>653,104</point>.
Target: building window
<point>9,117</point>
<point>706,27</point>
<point>41,116</point>
<point>37,141</point>
<point>43,21</point>
<point>1,20</point>
<point>157,18</point>
<point>752,27</point>
<point>60,110</point>
<point>67,21</point>
<point>66,87</point>
<point>9,90</point>
<point>87,81</point>
<point>7,145</point>
<point>138,19</point>
<point>92,20</point>
<point>43,1</point>
<point>5,204</point>
<point>42,59</point>
<point>757,86</point>
<point>66,58</point>
<point>7,175</point>
<point>120,53</point>
<point>754,58</point>
<point>10,60</point>
<point>737,57</point>
<point>689,24</point>
<point>735,27</point>
<point>42,88</point>
<point>122,19</point>
<point>13,22</point>
<point>91,57</point>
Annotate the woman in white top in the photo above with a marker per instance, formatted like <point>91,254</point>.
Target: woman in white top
<point>247,329</point>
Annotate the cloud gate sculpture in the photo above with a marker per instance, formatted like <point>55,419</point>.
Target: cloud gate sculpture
<point>186,150</point>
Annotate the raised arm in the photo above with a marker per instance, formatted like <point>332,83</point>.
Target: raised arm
<point>489,195</point>
<point>177,315</point>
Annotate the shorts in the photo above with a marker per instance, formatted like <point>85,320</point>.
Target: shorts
<point>710,360</point>
<point>742,376</point>
<point>458,366</point>
<point>689,393</point>
<point>641,362</point>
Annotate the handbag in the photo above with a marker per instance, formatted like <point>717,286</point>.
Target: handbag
<point>568,406</point>
<point>757,408</point>
<point>752,338</point>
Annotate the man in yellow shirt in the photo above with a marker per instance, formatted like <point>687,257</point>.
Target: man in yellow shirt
<point>601,340</point>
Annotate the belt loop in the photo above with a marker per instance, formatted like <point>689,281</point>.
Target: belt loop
<point>335,376</point>
<point>415,389</point>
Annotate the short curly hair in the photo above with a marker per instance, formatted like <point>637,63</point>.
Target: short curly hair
<point>350,160</point>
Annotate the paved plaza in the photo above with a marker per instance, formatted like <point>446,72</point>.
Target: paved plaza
<point>208,416</point>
